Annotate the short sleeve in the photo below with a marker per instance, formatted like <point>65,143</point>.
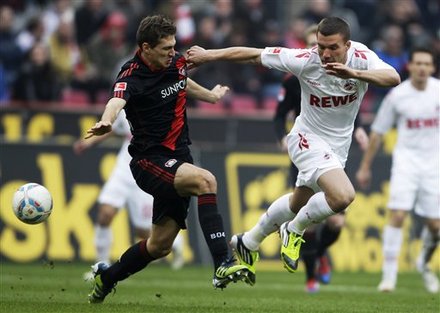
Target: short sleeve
<point>125,87</point>
<point>386,116</point>
<point>120,125</point>
<point>284,59</point>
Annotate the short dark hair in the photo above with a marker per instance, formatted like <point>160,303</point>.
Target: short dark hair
<point>334,25</point>
<point>153,28</point>
<point>421,50</point>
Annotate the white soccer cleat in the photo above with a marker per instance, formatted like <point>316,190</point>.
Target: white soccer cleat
<point>177,261</point>
<point>431,281</point>
<point>88,276</point>
<point>386,286</point>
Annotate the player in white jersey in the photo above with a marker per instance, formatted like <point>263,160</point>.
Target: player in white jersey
<point>334,77</point>
<point>415,107</point>
<point>121,190</point>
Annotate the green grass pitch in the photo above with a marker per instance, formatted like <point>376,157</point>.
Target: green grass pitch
<point>39,288</point>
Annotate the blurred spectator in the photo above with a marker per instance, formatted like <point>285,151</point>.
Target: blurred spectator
<point>65,53</point>
<point>37,80</point>
<point>252,17</point>
<point>316,10</point>
<point>79,53</point>
<point>104,51</point>
<point>89,18</point>
<point>59,10</point>
<point>135,11</point>
<point>4,91</point>
<point>10,52</point>
<point>430,11</point>
<point>364,10</point>
<point>223,13</point>
<point>184,22</point>
<point>403,13</point>
<point>206,32</point>
<point>32,34</point>
<point>180,11</point>
<point>293,37</point>
<point>271,80</point>
<point>390,48</point>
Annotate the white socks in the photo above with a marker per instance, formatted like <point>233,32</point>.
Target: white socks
<point>429,244</point>
<point>103,242</point>
<point>392,241</point>
<point>315,211</point>
<point>277,213</point>
<point>178,244</point>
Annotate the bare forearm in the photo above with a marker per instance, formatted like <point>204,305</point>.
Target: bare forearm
<point>237,54</point>
<point>373,147</point>
<point>112,110</point>
<point>199,92</point>
<point>381,78</point>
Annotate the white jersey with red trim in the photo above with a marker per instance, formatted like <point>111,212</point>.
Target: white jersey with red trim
<point>416,114</point>
<point>329,104</point>
<point>120,126</point>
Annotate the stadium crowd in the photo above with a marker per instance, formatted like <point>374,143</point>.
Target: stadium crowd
<point>69,51</point>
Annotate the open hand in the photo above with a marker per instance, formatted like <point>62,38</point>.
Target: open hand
<point>339,70</point>
<point>99,129</point>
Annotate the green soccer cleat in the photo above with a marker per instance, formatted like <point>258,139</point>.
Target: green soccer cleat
<point>290,247</point>
<point>246,257</point>
<point>229,272</point>
<point>100,291</point>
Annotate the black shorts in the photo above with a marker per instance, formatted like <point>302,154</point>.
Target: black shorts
<point>155,175</point>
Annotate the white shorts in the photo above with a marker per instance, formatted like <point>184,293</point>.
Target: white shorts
<point>313,157</point>
<point>121,191</point>
<point>411,189</point>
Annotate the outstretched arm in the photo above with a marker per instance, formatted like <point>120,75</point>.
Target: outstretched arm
<point>363,175</point>
<point>114,105</point>
<point>82,144</point>
<point>196,91</point>
<point>379,77</point>
<point>197,55</point>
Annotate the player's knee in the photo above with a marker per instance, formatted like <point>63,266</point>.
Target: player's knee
<point>207,183</point>
<point>159,250</point>
<point>105,215</point>
<point>340,201</point>
<point>397,217</point>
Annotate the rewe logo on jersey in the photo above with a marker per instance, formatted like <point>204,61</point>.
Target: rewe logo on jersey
<point>332,101</point>
<point>422,123</point>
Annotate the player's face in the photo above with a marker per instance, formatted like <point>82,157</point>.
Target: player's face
<point>162,54</point>
<point>421,67</point>
<point>332,48</point>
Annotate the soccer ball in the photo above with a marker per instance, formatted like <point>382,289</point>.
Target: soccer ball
<point>32,203</point>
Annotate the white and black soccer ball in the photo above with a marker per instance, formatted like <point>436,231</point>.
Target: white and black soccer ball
<point>32,203</point>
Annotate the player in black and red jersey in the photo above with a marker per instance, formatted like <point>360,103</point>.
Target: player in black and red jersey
<point>152,88</point>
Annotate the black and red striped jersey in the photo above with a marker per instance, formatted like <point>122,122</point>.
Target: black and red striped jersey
<point>156,106</point>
